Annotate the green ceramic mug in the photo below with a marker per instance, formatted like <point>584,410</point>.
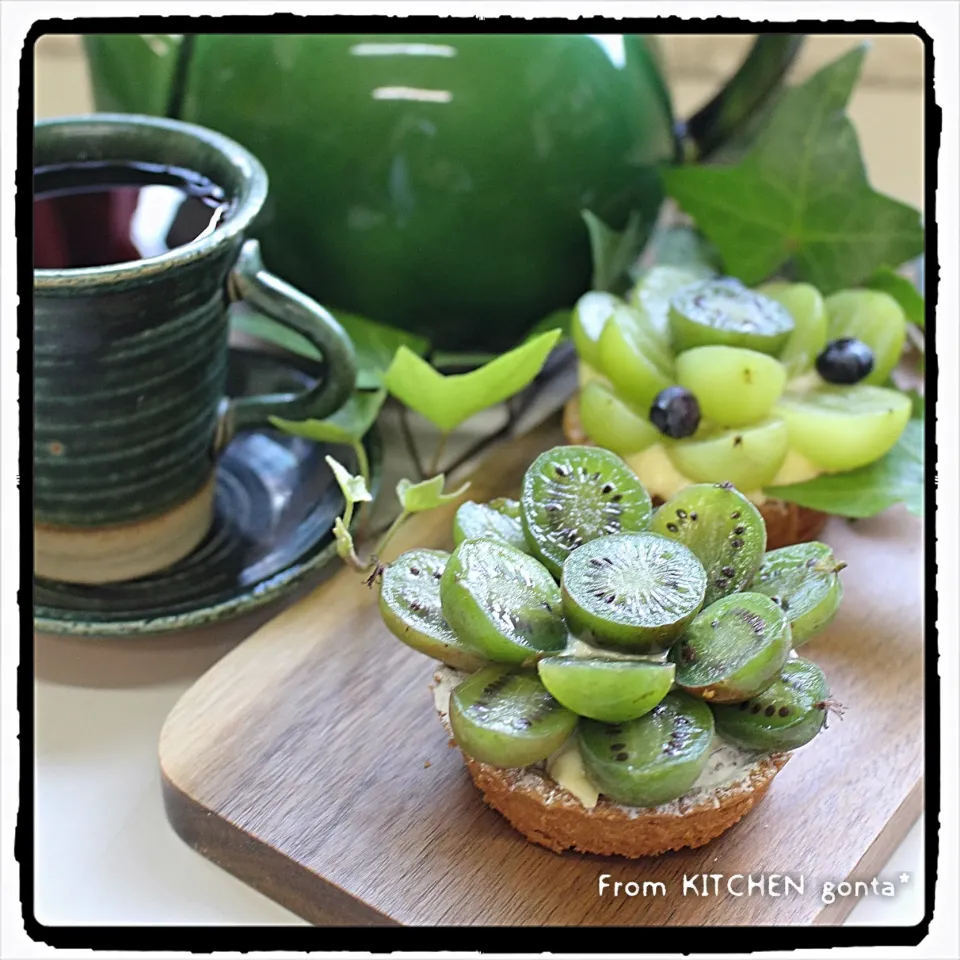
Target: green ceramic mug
<point>130,363</point>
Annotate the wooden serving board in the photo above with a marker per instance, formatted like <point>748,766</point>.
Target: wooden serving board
<point>310,763</point>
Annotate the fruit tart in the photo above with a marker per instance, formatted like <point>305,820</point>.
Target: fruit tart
<point>621,679</point>
<point>699,379</point>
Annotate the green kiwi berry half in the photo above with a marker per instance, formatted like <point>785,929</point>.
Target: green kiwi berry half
<point>788,714</point>
<point>733,649</point>
<point>410,608</point>
<point>606,689</point>
<point>804,581</point>
<point>722,527</point>
<point>653,759</point>
<point>574,494</point>
<point>508,718</point>
<point>726,313</point>
<point>633,591</point>
<point>499,519</point>
<point>502,602</point>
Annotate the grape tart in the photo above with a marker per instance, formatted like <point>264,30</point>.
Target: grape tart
<point>628,683</point>
<point>696,378</point>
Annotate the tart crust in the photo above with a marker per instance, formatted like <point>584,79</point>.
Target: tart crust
<point>547,814</point>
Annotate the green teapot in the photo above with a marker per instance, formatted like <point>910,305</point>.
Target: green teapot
<point>435,183</point>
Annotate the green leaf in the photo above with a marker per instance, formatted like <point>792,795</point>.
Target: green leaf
<point>558,320</point>
<point>417,497</point>
<point>897,477</point>
<point>614,252</point>
<point>801,194</point>
<point>374,343</point>
<point>903,290</point>
<point>449,400</point>
<point>354,488</point>
<point>349,424</point>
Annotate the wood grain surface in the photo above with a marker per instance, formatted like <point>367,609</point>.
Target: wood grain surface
<point>310,763</point>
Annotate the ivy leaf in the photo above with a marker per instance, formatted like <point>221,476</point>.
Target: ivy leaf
<point>354,488</point>
<point>801,194</point>
<point>614,252</point>
<point>447,401</point>
<point>348,425</point>
<point>903,290</point>
<point>897,477</point>
<point>417,497</point>
<point>677,245</point>
<point>374,343</point>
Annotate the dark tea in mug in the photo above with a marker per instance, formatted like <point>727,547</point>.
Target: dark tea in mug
<point>96,214</point>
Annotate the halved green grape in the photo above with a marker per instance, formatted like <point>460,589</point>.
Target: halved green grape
<point>606,689</point>
<point>788,714</point>
<point>653,759</point>
<point>502,602</point>
<point>874,318</point>
<point>500,520</point>
<point>590,314</point>
<point>726,313</point>
<point>633,360</point>
<point>747,457</point>
<point>507,718</point>
<point>842,428</point>
<point>733,386</point>
<point>804,580</point>
<point>612,423</point>
<point>652,293</point>
<point>809,337</point>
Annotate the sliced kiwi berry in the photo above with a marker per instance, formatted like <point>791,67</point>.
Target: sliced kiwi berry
<point>747,457</point>
<point>508,718</point>
<point>724,530</point>
<point>574,494</point>
<point>733,385</point>
<point>726,313</point>
<point>653,759</point>
<point>606,689</point>
<point>634,592</point>
<point>612,423</point>
<point>498,519</point>
<point>804,581</point>
<point>786,715</point>
<point>733,649</point>
<point>841,429</point>
<point>410,607</point>
<point>502,602</point>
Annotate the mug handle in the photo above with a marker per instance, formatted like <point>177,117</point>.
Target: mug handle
<point>252,283</point>
<point>742,96</point>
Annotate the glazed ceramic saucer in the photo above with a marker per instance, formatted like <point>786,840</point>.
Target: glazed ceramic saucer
<point>275,507</point>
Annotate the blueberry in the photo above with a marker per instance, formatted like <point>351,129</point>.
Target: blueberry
<point>675,412</point>
<point>846,360</point>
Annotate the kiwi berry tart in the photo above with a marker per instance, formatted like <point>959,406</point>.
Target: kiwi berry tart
<point>621,679</point>
<point>699,379</point>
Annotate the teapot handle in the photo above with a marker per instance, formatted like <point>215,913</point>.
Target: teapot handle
<point>744,94</point>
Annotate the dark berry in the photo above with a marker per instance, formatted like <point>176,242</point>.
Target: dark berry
<point>675,412</point>
<point>846,361</point>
